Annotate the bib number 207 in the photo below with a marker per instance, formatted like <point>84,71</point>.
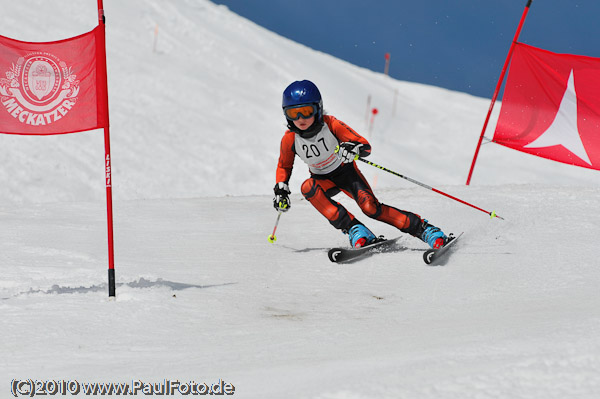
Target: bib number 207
<point>314,149</point>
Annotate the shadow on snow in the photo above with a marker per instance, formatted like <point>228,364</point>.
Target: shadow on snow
<point>140,283</point>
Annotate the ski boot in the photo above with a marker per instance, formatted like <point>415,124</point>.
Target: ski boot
<point>432,235</point>
<point>360,236</point>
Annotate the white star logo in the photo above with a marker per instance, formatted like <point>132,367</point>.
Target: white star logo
<point>563,130</point>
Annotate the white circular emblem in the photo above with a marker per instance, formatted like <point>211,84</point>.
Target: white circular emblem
<point>39,89</point>
<point>41,79</point>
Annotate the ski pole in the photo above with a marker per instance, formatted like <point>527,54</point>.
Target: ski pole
<point>492,213</point>
<point>272,238</point>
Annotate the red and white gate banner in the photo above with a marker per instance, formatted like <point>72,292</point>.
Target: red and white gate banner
<point>53,87</point>
<point>551,106</point>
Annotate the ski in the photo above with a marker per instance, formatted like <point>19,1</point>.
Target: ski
<point>340,255</point>
<point>431,255</point>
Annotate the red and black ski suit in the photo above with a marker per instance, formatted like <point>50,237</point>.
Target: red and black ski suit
<point>329,176</point>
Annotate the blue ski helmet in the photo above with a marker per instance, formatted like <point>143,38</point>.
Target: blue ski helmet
<point>303,92</point>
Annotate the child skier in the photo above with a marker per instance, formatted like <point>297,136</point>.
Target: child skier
<point>329,148</point>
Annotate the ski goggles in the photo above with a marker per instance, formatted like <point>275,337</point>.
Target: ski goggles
<point>300,111</point>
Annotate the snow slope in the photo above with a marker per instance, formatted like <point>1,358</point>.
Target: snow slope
<point>201,293</point>
<point>202,296</point>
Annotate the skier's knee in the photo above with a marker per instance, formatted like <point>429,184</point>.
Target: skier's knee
<point>369,205</point>
<point>371,209</point>
<point>309,188</point>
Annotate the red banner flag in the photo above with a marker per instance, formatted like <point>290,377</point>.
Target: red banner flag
<point>551,107</point>
<point>53,87</point>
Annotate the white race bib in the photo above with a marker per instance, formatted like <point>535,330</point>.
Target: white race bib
<point>318,152</point>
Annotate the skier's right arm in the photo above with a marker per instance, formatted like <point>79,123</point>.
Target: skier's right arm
<point>281,202</point>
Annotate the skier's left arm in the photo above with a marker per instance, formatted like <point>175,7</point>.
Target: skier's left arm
<point>352,145</point>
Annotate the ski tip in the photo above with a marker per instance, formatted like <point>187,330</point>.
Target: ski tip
<point>333,254</point>
<point>428,256</point>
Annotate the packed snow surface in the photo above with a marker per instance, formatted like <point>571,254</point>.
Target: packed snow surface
<point>202,296</point>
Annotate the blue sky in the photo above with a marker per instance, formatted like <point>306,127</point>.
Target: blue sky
<point>456,44</point>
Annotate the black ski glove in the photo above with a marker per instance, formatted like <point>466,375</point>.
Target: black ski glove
<point>282,202</point>
<point>348,151</point>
